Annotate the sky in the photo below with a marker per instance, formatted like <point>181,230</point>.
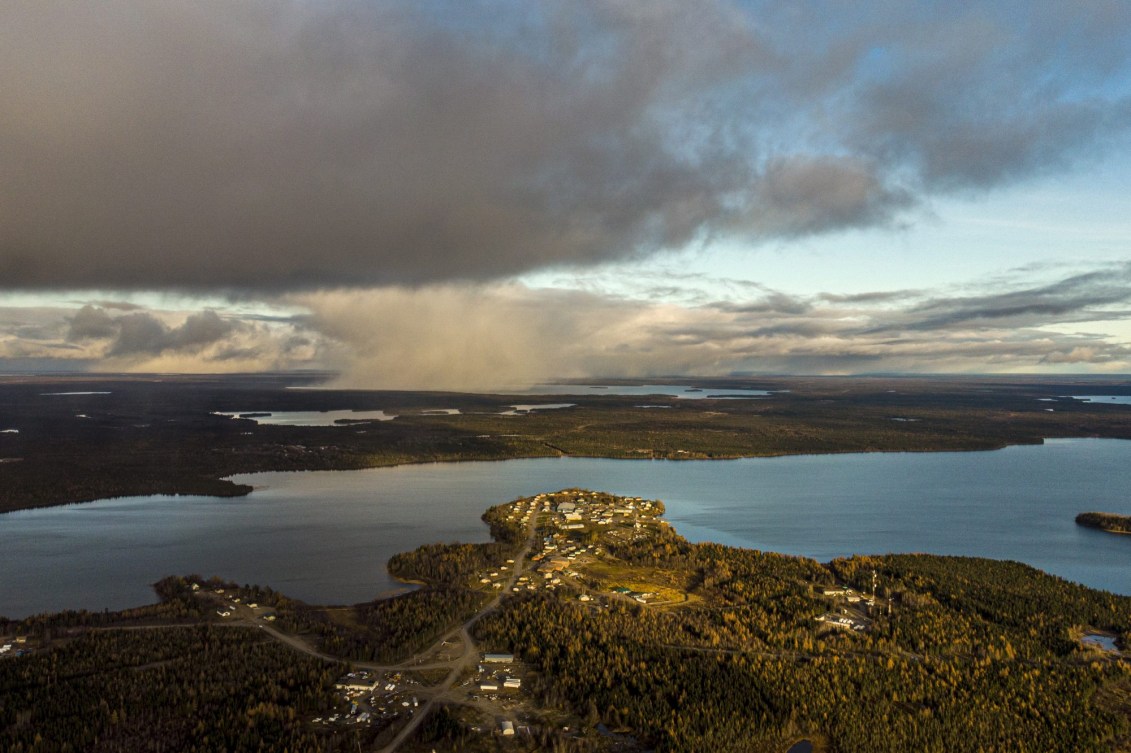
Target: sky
<point>480,194</point>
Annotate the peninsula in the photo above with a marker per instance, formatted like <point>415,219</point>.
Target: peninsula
<point>1105,521</point>
<point>590,624</point>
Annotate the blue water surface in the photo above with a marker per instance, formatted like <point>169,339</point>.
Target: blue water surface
<point>325,536</point>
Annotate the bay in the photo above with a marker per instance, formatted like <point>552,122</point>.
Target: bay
<point>325,536</point>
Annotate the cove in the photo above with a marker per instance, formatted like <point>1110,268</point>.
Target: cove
<point>325,536</point>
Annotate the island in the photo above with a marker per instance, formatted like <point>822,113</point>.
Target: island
<point>589,624</point>
<point>1105,521</point>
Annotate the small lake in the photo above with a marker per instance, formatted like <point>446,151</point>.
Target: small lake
<point>325,536</point>
<point>1103,642</point>
<point>519,410</point>
<point>682,391</point>
<point>1104,399</point>
<point>310,417</point>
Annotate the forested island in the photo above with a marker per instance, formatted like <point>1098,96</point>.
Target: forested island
<point>1105,521</point>
<point>78,438</point>
<point>590,624</point>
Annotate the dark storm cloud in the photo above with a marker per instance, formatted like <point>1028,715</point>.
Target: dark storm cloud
<point>139,333</point>
<point>807,195</point>
<point>144,333</point>
<point>211,144</point>
<point>986,93</point>
<point>91,322</point>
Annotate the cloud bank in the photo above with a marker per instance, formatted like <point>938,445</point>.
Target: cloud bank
<point>500,336</point>
<point>505,336</point>
<point>299,145</point>
<point>120,337</point>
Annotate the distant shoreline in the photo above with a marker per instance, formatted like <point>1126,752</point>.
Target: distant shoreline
<point>163,436</point>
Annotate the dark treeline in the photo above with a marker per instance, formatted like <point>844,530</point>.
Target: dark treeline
<point>981,607</point>
<point>176,605</point>
<point>165,689</point>
<point>445,730</point>
<point>461,564</point>
<point>978,656</point>
<point>1105,521</point>
<point>385,631</point>
<point>150,436</point>
<point>448,564</point>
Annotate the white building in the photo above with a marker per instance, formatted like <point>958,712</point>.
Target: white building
<point>498,658</point>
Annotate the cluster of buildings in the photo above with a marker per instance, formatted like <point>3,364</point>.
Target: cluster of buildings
<point>556,558</point>
<point>230,604</point>
<point>643,597</point>
<point>570,536</point>
<point>10,648</point>
<point>496,672</point>
<point>858,615</point>
<point>374,696</point>
<point>569,512</point>
<point>852,597</point>
<point>843,621</point>
<point>576,509</point>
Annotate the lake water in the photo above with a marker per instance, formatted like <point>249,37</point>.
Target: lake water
<point>350,418</point>
<point>1104,399</point>
<point>1104,642</point>
<point>682,391</point>
<point>519,410</point>
<point>310,417</point>
<point>325,536</point>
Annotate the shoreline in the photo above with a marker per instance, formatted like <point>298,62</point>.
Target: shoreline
<point>1106,522</point>
<point>413,584</point>
<point>244,490</point>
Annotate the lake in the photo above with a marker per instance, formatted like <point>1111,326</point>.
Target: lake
<point>325,536</point>
<point>682,391</point>
<point>1104,399</point>
<point>309,417</point>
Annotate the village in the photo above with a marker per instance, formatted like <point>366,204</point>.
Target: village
<point>566,534</point>
<point>587,551</point>
<point>568,537</point>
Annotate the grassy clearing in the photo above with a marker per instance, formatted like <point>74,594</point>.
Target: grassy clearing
<point>667,585</point>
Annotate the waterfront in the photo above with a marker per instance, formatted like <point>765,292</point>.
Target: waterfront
<point>325,536</point>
